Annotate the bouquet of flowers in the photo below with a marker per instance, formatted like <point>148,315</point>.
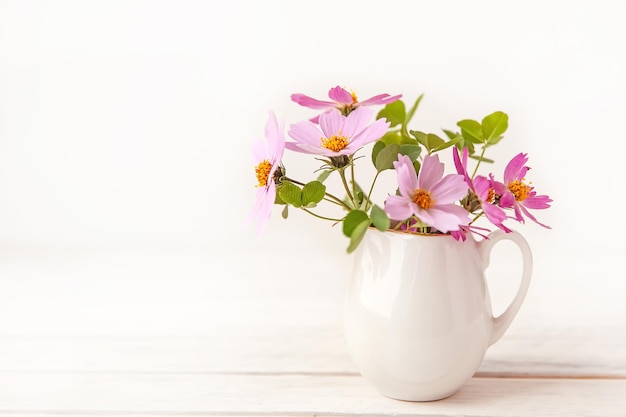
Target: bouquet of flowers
<point>425,200</point>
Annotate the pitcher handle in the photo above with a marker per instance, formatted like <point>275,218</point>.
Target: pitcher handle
<point>503,321</point>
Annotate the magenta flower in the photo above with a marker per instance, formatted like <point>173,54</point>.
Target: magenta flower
<point>461,234</point>
<point>342,100</point>
<point>267,155</point>
<point>339,135</point>
<point>431,197</point>
<point>519,195</point>
<point>484,189</point>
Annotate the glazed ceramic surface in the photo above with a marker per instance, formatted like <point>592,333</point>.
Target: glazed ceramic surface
<point>418,317</point>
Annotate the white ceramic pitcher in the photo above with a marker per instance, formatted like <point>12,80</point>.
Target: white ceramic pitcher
<point>418,316</point>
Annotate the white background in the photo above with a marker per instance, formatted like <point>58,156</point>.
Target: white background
<point>125,129</point>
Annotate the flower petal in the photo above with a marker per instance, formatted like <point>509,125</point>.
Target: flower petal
<point>331,123</point>
<point>275,139</point>
<point>424,215</point>
<point>460,163</point>
<point>514,170</point>
<point>430,173</point>
<point>259,150</point>
<point>407,178</point>
<point>380,99</point>
<point>371,133</point>
<point>306,148</point>
<point>495,215</point>
<point>310,102</point>
<point>305,132</point>
<point>356,121</point>
<point>531,217</point>
<point>265,208</point>
<point>398,208</point>
<point>340,95</point>
<point>482,185</point>
<point>448,217</point>
<point>450,189</point>
<point>537,202</point>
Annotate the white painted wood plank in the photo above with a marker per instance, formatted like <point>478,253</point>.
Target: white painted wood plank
<point>144,290</point>
<point>537,351</point>
<point>129,394</point>
<point>157,331</point>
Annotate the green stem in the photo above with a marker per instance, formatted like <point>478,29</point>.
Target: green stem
<point>369,194</point>
<point>334,202</point>
<point>320,217</point>
<point>342,174</point>
<point>482,154</point>
<point>478,216</point>
<point>352,175</point>
<point>337,199</point>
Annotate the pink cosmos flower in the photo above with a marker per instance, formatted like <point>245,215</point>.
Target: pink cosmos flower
<point>267,155</point>
<point>342,98</point>
<point>431,197</point>
<point>519,195</point>
<point>483,188</point>
<point>340,135</point>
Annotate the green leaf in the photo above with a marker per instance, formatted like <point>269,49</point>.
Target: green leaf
<point>352,220</point>
<point>471,130</point>
<point>433,142</point>
<point>417,166</point>
<point>392,137</point>
<point>412,151</point>
<point>411,112</point>
<point>386,157</point>
<point>359,195</point>
<point>378,146</point>
<point>483,159</point>
<point>285,212</point>
<point>357,235</point>
<point>448,144</point>
<point>420,137</point>
<point>291,194</point>
<point>313,193</point>
<point>278,200</point>
<point>429,140</point>
<point>395,113</point>
<point>322,177</point>
<point>380,219</point>
<point>494,125</point>
<point>450,134</point>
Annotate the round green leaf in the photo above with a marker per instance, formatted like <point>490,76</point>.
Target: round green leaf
<point>386,157</point>
<point>313,192</point>
<point>471,130</point>
<point>380,219</point>
<point>290,194</point>
<point>494,125</point>
<point>394,112</point>
<point>352,220</point>
<point>357,235</point>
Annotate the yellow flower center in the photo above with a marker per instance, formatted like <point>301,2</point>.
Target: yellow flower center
<point>335,142</point>
<point>354,99</point>
<point>519,190</point>
<point>491,194</point>
<point>263,172</point>
<point>422,198</point>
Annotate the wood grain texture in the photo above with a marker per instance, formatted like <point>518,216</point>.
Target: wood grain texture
<point>533,351</point>
<point>155,332</point>
<point>194,394</point>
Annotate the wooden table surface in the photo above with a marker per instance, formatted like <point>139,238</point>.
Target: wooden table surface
<point>157,330</point>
